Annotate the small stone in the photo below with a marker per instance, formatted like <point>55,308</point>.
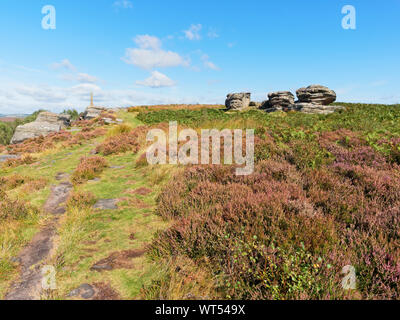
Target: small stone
<point>106,204</point>
<point>117,167</point>
<point>101,267</point>
<point>85,291</point>
<point>62,176</point>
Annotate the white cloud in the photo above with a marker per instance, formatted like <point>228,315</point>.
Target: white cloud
<point>64,64</point>
<point>150,55</point>
<point>208,64</point>
<point>157,80</point>
<point>148,42</point>
<point>193,33</point>
<point>124,4</point>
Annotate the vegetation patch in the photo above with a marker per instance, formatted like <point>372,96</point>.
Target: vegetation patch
<point>89,168</point>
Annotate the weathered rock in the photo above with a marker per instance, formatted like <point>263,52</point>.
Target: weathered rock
<point>93,112</point>
<point>280,99</point>
<point>109,121</point>
<point>62,119</point>
<point>266,106</point>
<point>84,291</point>
<point>316,94</point>
<point>45,123</point>
<point>237,101</point>
<point>313,108</point>
<point>33,130</point>
<point>62,176</point>
<point>59,195</point>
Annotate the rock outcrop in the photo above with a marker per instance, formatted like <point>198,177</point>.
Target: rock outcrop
<point>277,101</point>
<point>313,99</point>
<point>64,120</point>
<point>312,108</point>
<point>45,123</point>
<point>237,101</point>
<point>316,94</point>
<point>280,99</point>
<point>92,112</point>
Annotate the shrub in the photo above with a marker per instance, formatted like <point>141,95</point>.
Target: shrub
<point>35,185</point>
<point>81,200</point>
<point>24,160</point>
<point>13,181</point>
<point>286,231</point>
<point>14,209</point>
<point>88,168</point>
<point>120,143</point>
<point>73,113</point>
<point>119,130</point>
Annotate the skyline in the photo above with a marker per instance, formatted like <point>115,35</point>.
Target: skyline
<point>136,52</point>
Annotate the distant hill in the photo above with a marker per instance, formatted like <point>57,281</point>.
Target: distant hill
<point>13,115</point>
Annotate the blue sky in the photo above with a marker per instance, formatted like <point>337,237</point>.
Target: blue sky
<point>148,52</point>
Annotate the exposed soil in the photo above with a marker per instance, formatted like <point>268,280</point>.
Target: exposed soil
<point>62,176</point>
<point>139,204</point>
<point>118,260</point>
<point>105,292</point>
<point>142,191</point>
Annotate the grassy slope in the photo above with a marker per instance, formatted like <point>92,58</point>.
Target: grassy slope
<point>87,236</point>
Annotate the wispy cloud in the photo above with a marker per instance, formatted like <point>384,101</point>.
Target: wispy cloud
<point>63,64</point>
<point>193,33</point>
<point>208,64</point>
<point>212,33</point>
<point>80,77</point>
<point>123,4</point>
<point>149,54</point>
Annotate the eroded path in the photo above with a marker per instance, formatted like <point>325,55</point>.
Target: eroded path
<point>28,287</point>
